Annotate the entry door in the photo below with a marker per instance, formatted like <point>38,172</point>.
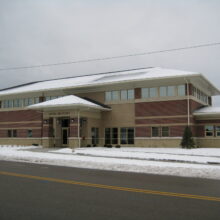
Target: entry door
<point>64,137</point>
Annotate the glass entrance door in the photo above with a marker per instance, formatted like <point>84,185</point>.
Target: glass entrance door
<point>64,137</point>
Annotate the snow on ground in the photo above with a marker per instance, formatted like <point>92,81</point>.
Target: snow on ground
<point>123,159</point>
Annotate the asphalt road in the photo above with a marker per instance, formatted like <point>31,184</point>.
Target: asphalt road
<point>70,193</point>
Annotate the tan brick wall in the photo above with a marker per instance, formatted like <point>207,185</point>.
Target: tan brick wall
<point>20,141</point>
<point>150,142</point>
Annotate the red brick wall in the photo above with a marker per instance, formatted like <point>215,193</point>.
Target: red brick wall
<point>194,105</point>
<point>22,115</point>
<point>161,121</point>
<point>36,133</point>
<point>176,131</point>
<point>26,116</point>
<point>161,108</point>
<point>48,128</point>
<point>143,131</point>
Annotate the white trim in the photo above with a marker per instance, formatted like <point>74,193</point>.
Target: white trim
<point>156,138</point>
<point>15,138</point>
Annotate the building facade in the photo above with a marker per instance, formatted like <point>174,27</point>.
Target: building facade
<point>144,108</point>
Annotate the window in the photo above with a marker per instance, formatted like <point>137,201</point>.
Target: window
<point>17,103</point>
<point>153,92</point>
<point>114,136</point>
<point>209,130</point>
<point>171,90</point>
<point>12,133</point>
<point>130,135</point>
<point>10,103</point>
<point>144,92</point>
<point>9,133</point>
<point>36,100</point>
<point>53,97</point>
<point>217,129</point>
<point>95,135</point>
<point>155,132</point>
<point>165,131</point>
<point>111,136</point>
<point>47,98</point>
<point>127,135</point>
<point>124,95</point>
<point>181,90</point>
<point>115,95</point>
<point>130,94</point>
<point>108,96</point>
<point>163,91</point>
<point>108,136</point>
<point>5,104</point>
<point>26,102</point>
<point>29,133</point>
<point>119,95</point>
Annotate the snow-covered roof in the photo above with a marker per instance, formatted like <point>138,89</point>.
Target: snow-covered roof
<point>103,79</point>
<point>207,111</point>
<point>71,101</point>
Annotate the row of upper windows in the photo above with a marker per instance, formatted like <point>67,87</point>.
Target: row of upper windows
<point>119,95</point>
<point>162,91</point>
<point>18,103</point>
<point>200,95</point>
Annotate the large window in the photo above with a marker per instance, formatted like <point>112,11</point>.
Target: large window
<point>155,132</point>
<point>160,131</point>
<point>153,92</point>
<point>29,133</point>
<point>95,135</point>
<point>130,94</point>
<point>17,103</point>
<point>111,136</point>
<point>181,90</point>
<point>144,92</point>
<point>127,135</point>
<point>115,95</point>
<point>124,95</point>
<point>163,91</point>
<point>200,95</point>
<point>12,133</point>
<point>217,130</point>
<point>209,130</point>
<point>108,96</point>
<point>165,131</point>
<point>171,90</point>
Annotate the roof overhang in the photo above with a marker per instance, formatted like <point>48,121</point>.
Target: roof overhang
<point>70,102</point>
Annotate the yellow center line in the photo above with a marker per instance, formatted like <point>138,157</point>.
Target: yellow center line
<point>119,188</point>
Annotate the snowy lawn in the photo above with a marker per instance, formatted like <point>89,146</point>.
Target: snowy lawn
<point>191,163</point>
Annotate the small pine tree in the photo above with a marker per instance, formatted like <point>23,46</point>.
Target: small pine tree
<point>187,139</point>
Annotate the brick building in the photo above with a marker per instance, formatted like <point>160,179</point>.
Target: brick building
<point>147,107</point>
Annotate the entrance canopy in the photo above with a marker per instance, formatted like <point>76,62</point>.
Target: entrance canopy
<point>68,102</point>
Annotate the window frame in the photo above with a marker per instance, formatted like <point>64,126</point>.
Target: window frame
<point>158,130</point>
<point>212,131</point>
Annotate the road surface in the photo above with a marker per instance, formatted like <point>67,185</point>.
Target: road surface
<point>33,191</point>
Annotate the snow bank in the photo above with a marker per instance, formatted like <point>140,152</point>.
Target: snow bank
<point>65,157</point>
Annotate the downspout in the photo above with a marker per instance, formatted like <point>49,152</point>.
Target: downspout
<point>188,109</point>
<point>79,141</point>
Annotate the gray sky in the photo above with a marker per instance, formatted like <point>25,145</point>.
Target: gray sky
<point>50,31</point>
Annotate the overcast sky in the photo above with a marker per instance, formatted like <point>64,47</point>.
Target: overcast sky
<point>50,31</point>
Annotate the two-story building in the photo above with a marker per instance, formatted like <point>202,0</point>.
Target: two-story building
<point>148,107</point>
